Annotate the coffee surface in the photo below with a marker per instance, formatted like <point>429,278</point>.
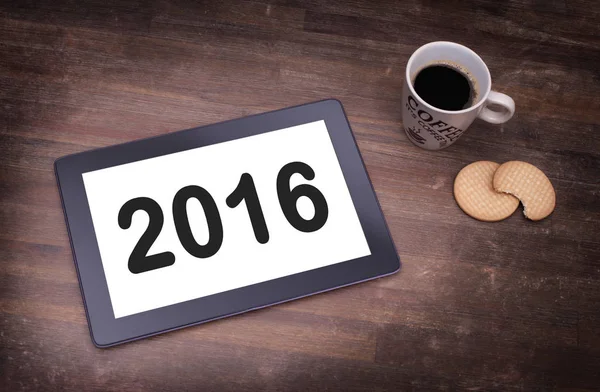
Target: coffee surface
<point>444,87</point>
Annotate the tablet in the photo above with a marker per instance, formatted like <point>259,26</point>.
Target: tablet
<point>210,222</point>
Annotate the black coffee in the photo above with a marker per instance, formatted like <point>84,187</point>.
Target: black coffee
<point>444,87</point>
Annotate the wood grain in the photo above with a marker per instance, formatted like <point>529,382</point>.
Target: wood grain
<point>477,306</point>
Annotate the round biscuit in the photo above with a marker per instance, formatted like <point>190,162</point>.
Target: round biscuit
<point>530,185</point>
<point>476,196</point>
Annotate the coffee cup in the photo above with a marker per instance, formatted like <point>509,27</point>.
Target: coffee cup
<point>446,87</point>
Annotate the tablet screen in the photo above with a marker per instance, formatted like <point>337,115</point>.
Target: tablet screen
<point>211,219</point>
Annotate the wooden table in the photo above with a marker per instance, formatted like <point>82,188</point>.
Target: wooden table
<point>478,306</point>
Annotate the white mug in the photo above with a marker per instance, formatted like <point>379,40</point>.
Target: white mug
<point>432,128</point>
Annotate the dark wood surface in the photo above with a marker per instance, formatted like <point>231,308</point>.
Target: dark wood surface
<point>513,305</point>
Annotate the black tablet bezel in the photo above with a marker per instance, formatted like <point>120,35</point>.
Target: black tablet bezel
<point>107,331</point>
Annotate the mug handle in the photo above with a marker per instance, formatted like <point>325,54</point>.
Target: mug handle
<point>494,117</point>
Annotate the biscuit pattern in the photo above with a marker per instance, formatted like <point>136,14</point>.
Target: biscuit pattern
<point>530,185</point>
<point>475,194</point>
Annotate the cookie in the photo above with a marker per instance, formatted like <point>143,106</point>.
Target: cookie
<point>476,196</point>
<point>530,185</point>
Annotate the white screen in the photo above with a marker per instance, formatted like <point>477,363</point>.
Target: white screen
<point>241,259</point>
